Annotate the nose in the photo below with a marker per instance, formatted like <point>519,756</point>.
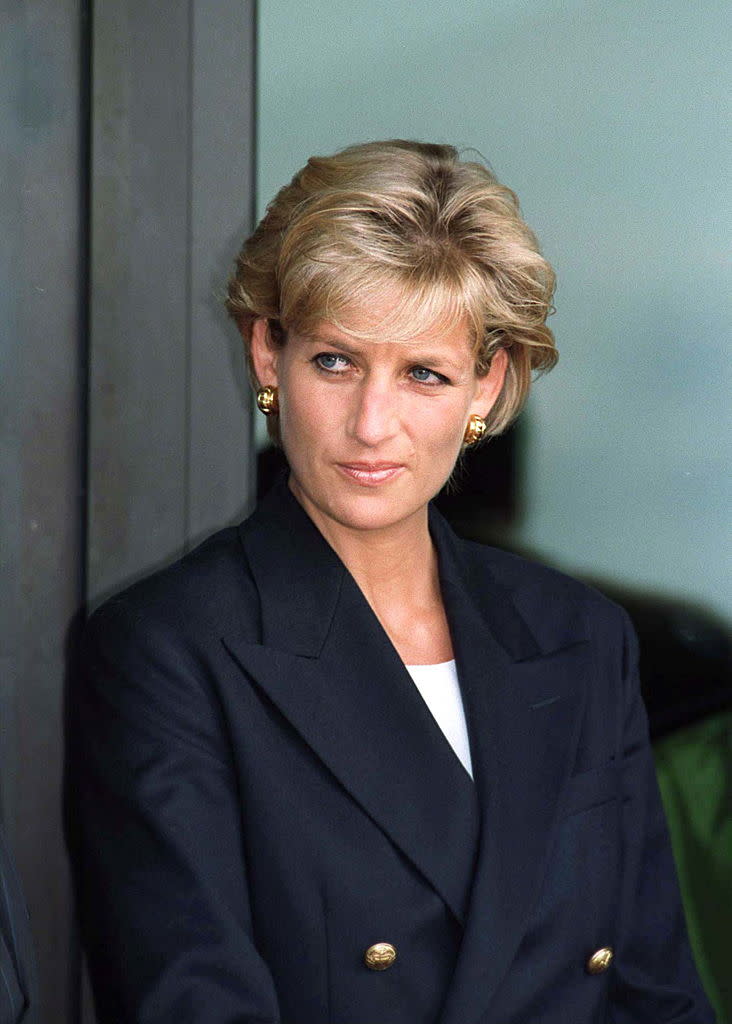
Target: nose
<point>375,414</point>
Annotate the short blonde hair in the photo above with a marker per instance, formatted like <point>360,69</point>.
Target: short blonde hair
<point>404,218</point>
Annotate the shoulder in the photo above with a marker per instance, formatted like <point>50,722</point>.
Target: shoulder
<point>201,596</point>
<point>522,575</point>
<point>151,656</point>
<point>554,605</point>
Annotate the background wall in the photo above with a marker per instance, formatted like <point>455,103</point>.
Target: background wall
<point>607,119</point>
<point>42,352</point>
<point>126,160</point>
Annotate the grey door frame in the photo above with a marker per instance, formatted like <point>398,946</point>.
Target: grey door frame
<point>172,196</point>
<point>125,427</point>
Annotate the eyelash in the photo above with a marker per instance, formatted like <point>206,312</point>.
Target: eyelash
<point>440,378</point>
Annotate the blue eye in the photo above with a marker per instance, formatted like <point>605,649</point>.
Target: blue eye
<point>331,362</point>
<point>425,376</point>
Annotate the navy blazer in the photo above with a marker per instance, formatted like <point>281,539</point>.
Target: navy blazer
<point>261,794</point>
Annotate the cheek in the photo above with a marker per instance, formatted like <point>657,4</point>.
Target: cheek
<point>307,417</point>
<point>441,428</point>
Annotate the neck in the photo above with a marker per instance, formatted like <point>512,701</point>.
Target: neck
<point>397,571</point>
<point>395,565</point>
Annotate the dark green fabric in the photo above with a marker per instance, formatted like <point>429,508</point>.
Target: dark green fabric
<point>694,767</point>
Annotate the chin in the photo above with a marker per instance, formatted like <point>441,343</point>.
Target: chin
<point>373,511</point>
<point>329,498</point>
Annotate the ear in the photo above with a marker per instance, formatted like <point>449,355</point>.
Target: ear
<point>489,387</point>
<point>264,353</point>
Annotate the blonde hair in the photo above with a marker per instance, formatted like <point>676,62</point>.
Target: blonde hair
<point>408,219</point>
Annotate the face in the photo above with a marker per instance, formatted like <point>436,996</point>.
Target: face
<point>372,429</point>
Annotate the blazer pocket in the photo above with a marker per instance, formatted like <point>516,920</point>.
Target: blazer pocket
<point>590,789</point>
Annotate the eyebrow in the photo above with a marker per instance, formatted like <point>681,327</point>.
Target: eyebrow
<point>324,339</point>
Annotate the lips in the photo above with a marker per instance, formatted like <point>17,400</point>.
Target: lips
<point>371,473</point>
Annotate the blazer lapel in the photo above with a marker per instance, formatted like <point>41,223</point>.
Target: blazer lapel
<point>523,710</point>
<point>325,661</point>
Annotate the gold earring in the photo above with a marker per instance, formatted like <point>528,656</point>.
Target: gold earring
<point>267,400</point>
<point>475,429</point>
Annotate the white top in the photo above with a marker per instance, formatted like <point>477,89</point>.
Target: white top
<point>440,689</point>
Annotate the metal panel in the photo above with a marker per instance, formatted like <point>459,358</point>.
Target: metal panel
<point>222,203</point>
<point>172,197</point>
<point>40,448</point>
<point>138,311</point>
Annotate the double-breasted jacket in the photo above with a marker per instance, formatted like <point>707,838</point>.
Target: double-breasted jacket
<point>260,796</point>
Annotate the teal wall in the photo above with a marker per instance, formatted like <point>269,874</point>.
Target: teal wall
<point>607,118</point>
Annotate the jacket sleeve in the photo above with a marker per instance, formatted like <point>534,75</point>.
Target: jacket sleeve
<point>655,979</point>
<point>18,977</point>
<point>156,836</point>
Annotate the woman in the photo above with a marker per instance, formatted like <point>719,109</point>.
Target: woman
<point>337,765</point>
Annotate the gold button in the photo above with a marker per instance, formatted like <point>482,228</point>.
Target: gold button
<point>600,960</point>
<point>379,956</point>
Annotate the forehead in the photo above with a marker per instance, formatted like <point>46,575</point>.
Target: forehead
<point>395,319</point>
<point>453,341</point>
